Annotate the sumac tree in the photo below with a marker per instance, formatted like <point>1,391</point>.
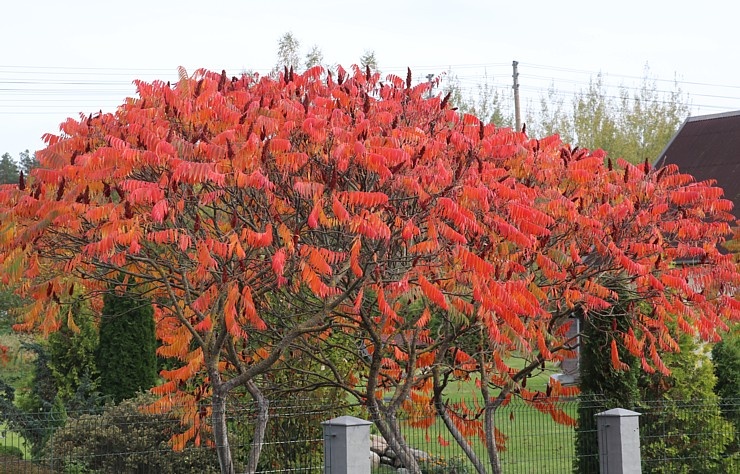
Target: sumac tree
<point>262,214</point>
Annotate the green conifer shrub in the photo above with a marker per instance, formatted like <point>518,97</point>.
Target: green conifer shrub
<point>126,357</point>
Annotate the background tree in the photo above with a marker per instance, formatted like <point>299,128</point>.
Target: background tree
<point>552,117</point>
<point>603,386</point>
<point>72,353</point>
<point>9,171</point>
<point>368,59</point>
<point>63,380</point>
<point>315,57</point>
<point>726,362</point>
<point>484,101</point>
<point>36,410</point>
<point>126,358</point>
<point>674,412</point>
<point>635,126</point>
<point>288,53</point>
<point>28,162</point>
<point>648,119</point>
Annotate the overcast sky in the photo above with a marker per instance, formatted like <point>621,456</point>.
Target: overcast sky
<point>60,58</point>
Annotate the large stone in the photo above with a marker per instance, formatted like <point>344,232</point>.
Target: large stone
<point>378,444</point>
<point>374,460</point>
<point>419,454</point>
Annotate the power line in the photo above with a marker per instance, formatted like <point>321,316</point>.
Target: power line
<point>78,70</point>
<point>475,79</point>
<point>594,73</point>
<point>103,83</point>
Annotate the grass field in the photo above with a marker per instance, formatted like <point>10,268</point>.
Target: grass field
<point>9,438</point>
<point>536,443</point>
<point>16,371</point>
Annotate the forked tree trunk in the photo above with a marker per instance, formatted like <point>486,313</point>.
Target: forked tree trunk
<point>391,432</point>
<point>263,406</point>
<point>221,435</point>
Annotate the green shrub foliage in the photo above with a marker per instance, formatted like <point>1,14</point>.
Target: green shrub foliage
<point>36,410</point>
<point>125,439</point>
<point>72,353</point>
<point>683,430</point>
<point>11,451</point>
<point>126,357</point>
<point>726,359</point>
<point>602,386</point>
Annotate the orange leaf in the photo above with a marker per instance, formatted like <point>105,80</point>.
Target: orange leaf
<point>616,363</point>
<point>339,211</point>
<point>354,258</point>
<point>433,293</point>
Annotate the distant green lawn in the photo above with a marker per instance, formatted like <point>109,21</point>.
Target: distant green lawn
<point>536,443</point>
<point>16,371</point>
<point>9,438</point>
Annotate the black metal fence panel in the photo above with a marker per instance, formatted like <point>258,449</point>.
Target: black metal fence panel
<point>126,440</point>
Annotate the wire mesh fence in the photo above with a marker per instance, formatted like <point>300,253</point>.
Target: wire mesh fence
<point>124,439</point>
<point>690,436</point>
<point>533,442</point>
<point>694,436</point>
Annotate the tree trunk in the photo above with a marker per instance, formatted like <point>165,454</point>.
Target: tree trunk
<point>459,438</point>
<point>220,432</point>
<point>490,413</point>
<point>391,432</point>
<point>488,417</point>
<point>260,427</point>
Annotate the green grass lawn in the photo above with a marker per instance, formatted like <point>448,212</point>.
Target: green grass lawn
<point>536,443</point>
<point>16,371</point>
<point>10,438</point>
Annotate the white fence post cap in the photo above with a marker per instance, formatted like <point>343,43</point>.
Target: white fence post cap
<point>346,421</point>
<point>618,412</point>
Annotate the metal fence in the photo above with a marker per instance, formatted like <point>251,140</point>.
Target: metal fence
<point>675,437</point>
<point>123,439</point>
<point>689,436</point>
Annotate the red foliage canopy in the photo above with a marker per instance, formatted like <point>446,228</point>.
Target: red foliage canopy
<point>254,211</point>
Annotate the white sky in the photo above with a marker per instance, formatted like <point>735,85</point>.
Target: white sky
<point>60,58</point>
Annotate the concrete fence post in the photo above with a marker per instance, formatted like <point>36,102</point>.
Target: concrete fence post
<point>619,441</point>
<point>346,445</point>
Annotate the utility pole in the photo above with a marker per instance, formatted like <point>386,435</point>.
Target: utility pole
<point>517,110</point>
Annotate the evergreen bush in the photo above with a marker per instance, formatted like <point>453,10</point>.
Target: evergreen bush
<point>71,350</point>
<point>683,431</point>
<point>726,360</point>
<point>602,386</point>
<point>126,357</point>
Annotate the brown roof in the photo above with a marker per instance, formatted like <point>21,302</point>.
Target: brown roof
<point>708,147</point>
